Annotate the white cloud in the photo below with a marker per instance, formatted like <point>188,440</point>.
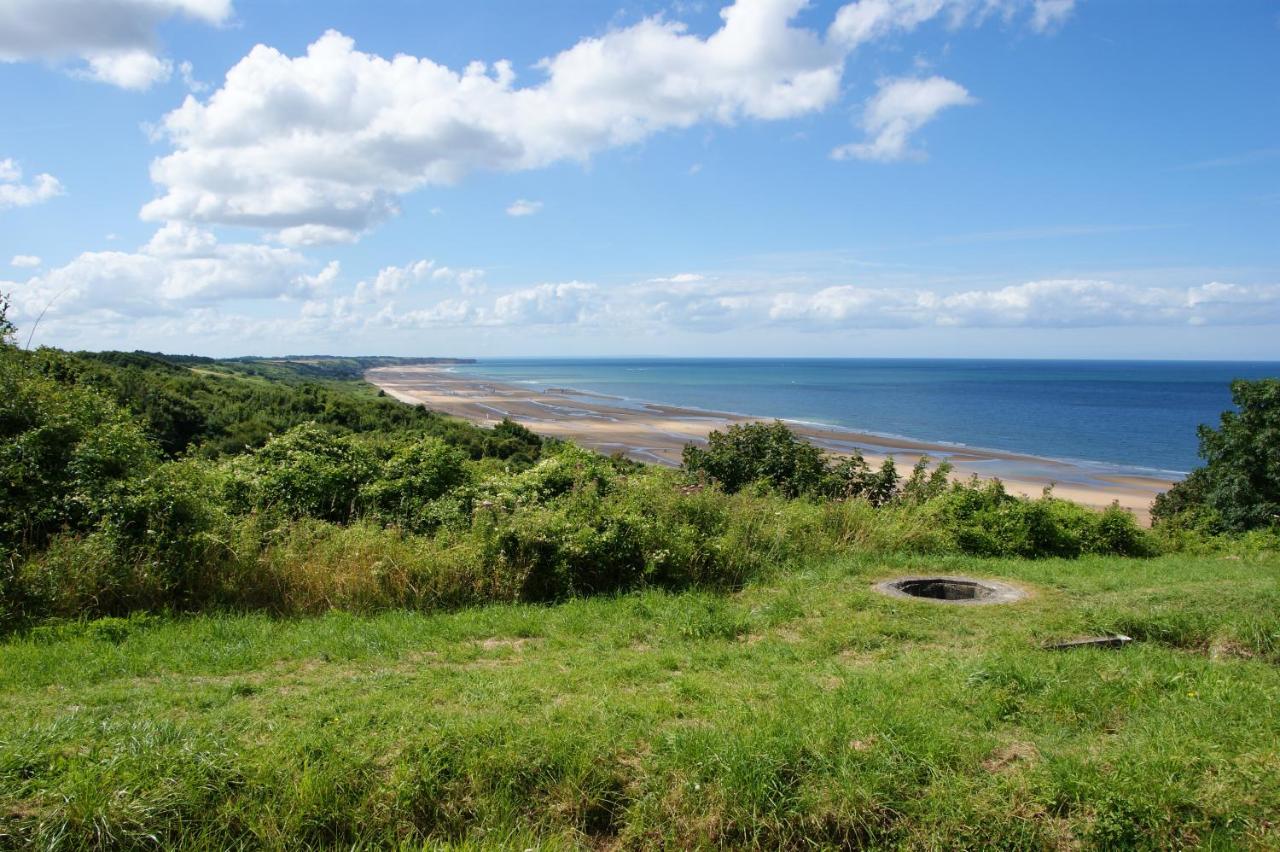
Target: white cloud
<point>1036,304</point>
<point>714,306</point>
<point>523,207</point>
<point>187,70</point>
<point>392,280</point>
<point>867,20</point>
<point>115,38</point>
<point>447,312</point>
<point>398,280</point>
<point>130,69</point>
<point>545,304</point>
<point>14,193</point>
<point>679,278</point>
<point>1048,15</point>
<point>180,268</point>
<point>326,142</point>
<point>900,108</point>
<point>467,280</point>
<point>864,21</point>
<point>25,261</point>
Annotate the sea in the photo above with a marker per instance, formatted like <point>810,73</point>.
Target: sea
<point>1122,417</point>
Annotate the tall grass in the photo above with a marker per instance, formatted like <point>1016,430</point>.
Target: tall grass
<point>803,712</point>
<point>656,535</point>
<point>574,525</point>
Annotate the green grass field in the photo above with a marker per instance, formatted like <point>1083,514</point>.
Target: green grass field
<point>804,711</point>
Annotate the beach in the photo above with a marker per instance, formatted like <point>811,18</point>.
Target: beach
<point>657,433</point>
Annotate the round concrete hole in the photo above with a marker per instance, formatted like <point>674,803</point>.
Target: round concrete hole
<point>955,590</point>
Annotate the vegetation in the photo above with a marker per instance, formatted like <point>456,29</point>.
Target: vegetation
<point>515,641</point>
<point>769,454</point>
<point>805,711</point>
<point>372,505</point>
<point>1238,488</point>
<point>191,405</point>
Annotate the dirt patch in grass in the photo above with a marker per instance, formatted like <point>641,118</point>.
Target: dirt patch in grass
<point>1229,649</point>
<point>1012,756</point>
<point>495,643</point>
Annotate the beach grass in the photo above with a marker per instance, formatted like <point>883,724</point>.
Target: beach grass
<point>802,711</point>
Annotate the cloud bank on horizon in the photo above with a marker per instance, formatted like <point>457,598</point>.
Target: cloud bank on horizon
<point>300,156</point>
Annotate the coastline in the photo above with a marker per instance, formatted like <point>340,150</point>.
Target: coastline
<point>657,433</point>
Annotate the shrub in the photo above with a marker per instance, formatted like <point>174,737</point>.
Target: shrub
<point>988,521</point>
<point>309,471</point>
<point>513,443</point>
<point>760,452</point>
<point>772,456</point>
<point>171,529</point>
<point>1238,488</point>
<point>410,483</point>
<point>64,452</point>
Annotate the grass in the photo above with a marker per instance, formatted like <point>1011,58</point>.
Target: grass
<point>804,711</point>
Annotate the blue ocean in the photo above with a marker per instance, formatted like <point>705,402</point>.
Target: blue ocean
<point>1132,416</point>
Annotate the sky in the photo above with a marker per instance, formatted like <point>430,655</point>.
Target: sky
<point>890,178</point>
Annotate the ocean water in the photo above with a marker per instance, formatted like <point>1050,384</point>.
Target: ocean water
<point>1126,416</point>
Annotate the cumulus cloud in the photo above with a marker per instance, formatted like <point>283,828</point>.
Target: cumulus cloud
<point>15,193</point>
<point>394,280</point>
<point>25,261</point>
<point>319,147</point>
<point>1069,303</point>
<point>900,108</point>
<point>545,304</point>
<point>571,303</point>
<point>130,69</point>
<point>116,39</point>
<point>391,280</point>
<point>523,207</point>
<point>723,306</point>
<point>180,268</point>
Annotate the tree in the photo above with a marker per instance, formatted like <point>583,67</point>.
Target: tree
<point>7,328</point>
<point>1238,488</point>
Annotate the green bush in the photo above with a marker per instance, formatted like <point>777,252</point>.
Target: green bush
<point>760,452</point>
<point>309,471</point>
<point>1238,488</point>
<point>409,485</point>
<point>770,455</point>
<point>65,451</point>
<point>170,529</point>
<point>988,521</point>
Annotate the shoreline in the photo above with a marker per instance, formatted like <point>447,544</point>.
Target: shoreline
<point>657,433</point>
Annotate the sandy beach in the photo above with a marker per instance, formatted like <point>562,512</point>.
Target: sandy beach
<point>657,433</point>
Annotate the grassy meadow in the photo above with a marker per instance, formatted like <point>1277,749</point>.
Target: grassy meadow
<point>802,711</point>
<point>254,604</point>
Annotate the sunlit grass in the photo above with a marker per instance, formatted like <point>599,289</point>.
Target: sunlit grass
<point>805,710</point>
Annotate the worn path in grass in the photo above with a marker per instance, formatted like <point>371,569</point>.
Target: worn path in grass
<point>807,710</point>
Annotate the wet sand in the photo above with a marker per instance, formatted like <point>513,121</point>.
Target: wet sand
<point>657,433</point>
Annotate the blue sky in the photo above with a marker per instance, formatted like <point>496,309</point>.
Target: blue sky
<point>994,178</point>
